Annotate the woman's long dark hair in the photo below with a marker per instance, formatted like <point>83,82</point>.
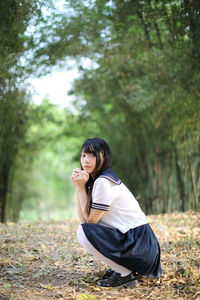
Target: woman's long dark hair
<point>100,149</point>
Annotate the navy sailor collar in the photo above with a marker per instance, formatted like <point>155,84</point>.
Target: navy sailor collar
<point>110,175</point>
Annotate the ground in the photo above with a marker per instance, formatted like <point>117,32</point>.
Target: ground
<point>43,260</point>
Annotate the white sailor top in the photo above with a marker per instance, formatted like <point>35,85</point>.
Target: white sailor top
<point>122,210</point>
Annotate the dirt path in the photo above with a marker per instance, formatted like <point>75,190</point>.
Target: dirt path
<point>42,260</point>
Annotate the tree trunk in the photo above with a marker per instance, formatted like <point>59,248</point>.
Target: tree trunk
<point>180,182</point>
<point>155,24</point>
<point>4,178</point>
<point>169,184</point>
<point>195,201</point>
<point>168,21</point>
<point>146,27</point>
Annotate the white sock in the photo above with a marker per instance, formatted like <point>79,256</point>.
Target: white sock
<point>90,249</point>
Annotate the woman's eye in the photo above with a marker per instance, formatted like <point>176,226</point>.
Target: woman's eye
<point>88,155</point>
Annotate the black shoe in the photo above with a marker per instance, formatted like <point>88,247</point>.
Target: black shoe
<point>108,273</point>
<point>117,281</point>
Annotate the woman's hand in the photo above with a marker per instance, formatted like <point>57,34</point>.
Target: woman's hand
<point>79,177</point>
<point>75,174</point>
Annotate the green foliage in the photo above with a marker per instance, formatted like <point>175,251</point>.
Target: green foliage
<point>144,95</point>
<point>16,38</point>
<point>139,91</point>
<point>16,17</point>
<point>13,128</point>
<point>42,174</point>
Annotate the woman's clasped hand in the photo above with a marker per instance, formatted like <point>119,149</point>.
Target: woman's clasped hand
<point>80,177</point>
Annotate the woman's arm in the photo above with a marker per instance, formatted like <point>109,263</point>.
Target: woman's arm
<point>80,181</point>
<point>94,215</point>
<point>79,210</point>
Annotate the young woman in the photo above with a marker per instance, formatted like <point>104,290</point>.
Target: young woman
<point>114,229</point>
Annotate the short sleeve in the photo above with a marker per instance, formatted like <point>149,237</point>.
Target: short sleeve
<point>102,194</point>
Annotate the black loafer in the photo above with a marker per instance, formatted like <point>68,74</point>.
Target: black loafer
<point>108,273</point>
<point>117,281</point>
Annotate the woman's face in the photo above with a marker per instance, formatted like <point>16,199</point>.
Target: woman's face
<point>88,162</point>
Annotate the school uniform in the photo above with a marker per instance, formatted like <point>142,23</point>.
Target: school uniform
<point>123,234</point>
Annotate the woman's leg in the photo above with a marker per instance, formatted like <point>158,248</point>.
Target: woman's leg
<point>90,249</point>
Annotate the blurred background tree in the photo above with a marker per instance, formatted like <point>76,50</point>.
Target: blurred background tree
<point>14,19</point>
<point>139,90</point>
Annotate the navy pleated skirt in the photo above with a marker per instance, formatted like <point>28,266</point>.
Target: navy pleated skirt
<point>137,249</point>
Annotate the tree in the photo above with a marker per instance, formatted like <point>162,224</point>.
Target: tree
<point>41,186</point>
<point>144,89</point>
<point>16,17</point>
<point>140,89</point>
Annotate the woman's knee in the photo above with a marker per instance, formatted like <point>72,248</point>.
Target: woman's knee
<point>81,235</point>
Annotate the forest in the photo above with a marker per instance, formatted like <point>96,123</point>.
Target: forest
<point>139,90</point>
